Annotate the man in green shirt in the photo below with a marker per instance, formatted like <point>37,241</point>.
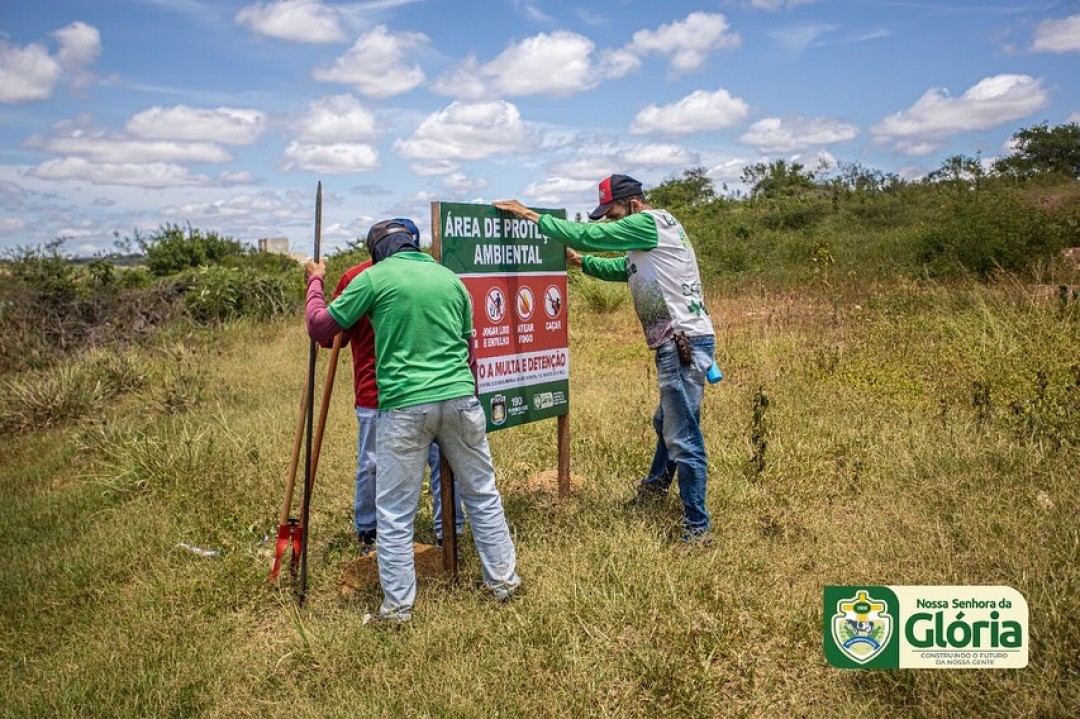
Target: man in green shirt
<point>422,318</point>
<point>661,269</point>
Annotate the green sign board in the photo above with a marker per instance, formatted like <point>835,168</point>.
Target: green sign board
<point>517,280</point>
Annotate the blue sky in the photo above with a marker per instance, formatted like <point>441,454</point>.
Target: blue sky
<point>119,116</point>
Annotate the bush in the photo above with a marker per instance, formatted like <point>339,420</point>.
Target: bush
<point>985,231</point>
<point>170,250</point>
<point>219,294</point>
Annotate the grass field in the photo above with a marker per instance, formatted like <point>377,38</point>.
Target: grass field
<point>913,434</point>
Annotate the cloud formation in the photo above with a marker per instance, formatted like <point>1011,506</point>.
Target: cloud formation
<point>466,131</point>
<point>227,125</point>
<point>992,101</point>
<point>774,134</point>
<point>699,111</point>
<point>336,158</point>
<point>377,65</point>
<point>31,73</point>
<point>1058,35</point>
<point>336,118</point>
<point>688,42</point>
<point>308,21</point>
<point>525,68</point>
<point>565,63</point>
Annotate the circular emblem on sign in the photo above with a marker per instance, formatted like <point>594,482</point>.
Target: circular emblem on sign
<point>495,304</point>
<point>526,303</point>
<point>553,301</point>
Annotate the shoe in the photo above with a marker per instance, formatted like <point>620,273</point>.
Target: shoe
<point>696,538</point>
<point>366,540</point>
<point>503,595</point>
<point>379,619</point>
<point>648,494</point>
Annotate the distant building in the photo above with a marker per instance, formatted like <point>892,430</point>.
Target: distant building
<point>279,245</point>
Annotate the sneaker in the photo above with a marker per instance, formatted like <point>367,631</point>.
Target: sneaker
<point>379,619</point>
<point>696,538</point>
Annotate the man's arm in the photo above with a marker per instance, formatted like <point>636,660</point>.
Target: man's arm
<point>321,327</point>
<point>611,269</point>
<point>635,232</point>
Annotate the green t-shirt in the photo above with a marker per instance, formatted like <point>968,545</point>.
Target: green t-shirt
<point>422,317</point>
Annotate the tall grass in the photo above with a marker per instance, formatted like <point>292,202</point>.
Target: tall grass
<point>880,466</point>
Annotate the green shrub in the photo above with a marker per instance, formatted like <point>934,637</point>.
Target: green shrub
<point>985,231</point>
<point>170,249</point>
<point>219,294</point>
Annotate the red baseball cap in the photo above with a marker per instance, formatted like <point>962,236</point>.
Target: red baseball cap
<point>614,188</point>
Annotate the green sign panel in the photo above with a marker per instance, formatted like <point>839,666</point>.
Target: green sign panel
<point>517,280</point>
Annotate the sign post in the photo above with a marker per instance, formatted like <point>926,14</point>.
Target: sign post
<point>517,280</point>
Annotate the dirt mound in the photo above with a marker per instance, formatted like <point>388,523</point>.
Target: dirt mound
<point>364,572</point>
<point>546,482</point>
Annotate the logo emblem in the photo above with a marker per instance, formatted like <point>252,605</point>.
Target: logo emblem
<point>862,626</point>
<point>498,409</point>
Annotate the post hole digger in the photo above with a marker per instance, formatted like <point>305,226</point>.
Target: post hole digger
<point>292,531</point>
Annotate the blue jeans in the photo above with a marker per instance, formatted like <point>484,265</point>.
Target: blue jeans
<point>402,439</point>
<point>680,445</point>
<point>364,504</point>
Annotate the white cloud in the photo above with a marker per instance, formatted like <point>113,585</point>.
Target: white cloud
<point>992,101</point>
<point>1058,35</point>
<point>296,20</point>
<point>336,158</point>
<point>617,63</point>
<point>460,182</point>
<point>434,168</point>
<point>697,112</point>
<point>466,131</point>
<point>337,118</point>
<point>659,155</point>
<point>377,64</point>
<point>688,42</point>
<point>586,168</point>
<point>728,171</point>
<point>27,73</point>
<point>555,189</point>
<point>774,134</point>
<point>528,68</point>
<point>10,225</point>
<point>153,175</point>
<point>1075,117</point>
<point>30,73</point>
<point>80,45</point>
<point>555,64</point>
<point>231,126</point>
<point>116,150</point>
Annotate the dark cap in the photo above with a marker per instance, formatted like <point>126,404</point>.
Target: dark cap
<point>614,188</point>
<point>381,230</point>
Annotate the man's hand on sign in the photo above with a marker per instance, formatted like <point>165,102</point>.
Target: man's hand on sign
<point>315,269</point>
<point>573,258</point>
<point>516,208</point>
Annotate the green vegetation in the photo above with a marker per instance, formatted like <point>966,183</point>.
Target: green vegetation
<point>900,407</point>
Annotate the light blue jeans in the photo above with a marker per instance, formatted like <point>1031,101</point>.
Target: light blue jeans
<point>679,443</point>
<point>402,438</point>
<point>364,504</point>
